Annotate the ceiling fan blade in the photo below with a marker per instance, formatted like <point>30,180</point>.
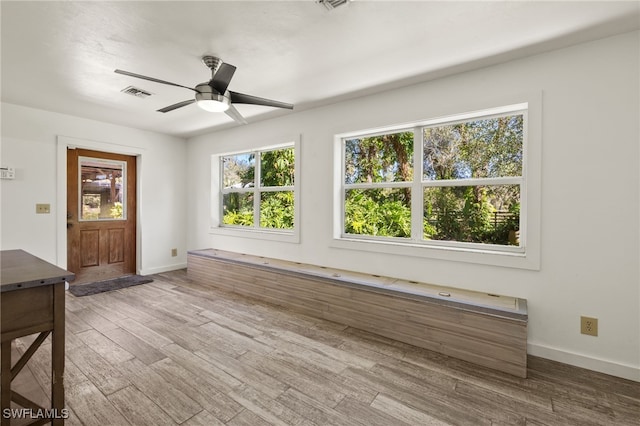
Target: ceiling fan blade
<point>241,98</point>
<point>233,113</point>
<point>176,106</point>
<point>222,78</point>
<point>155,80</point>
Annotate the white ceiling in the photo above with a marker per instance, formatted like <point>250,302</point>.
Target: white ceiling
<point>60,56</point>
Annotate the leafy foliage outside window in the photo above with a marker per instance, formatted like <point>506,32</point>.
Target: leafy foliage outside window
<point>477,214</point>
<point>384,158</point>
<point>471,181</point>
<point>277,167</point>
<point>485,148</point>
<point>276,210</point>
<point>268,203</point>
<point>380,212</point>
<point>116,210</point>
<point>238,208</point>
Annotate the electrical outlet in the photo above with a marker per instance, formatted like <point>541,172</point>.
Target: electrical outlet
<point>174,252</point>
<point>589,326</point>
<point>43,208</point>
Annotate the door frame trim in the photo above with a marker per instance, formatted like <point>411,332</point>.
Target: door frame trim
<point>64,143</point>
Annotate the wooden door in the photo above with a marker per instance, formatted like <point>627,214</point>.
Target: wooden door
<point>101,215</point>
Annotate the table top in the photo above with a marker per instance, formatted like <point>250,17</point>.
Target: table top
<point>20,270</point>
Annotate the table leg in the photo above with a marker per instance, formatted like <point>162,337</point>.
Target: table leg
<point>5,360</point>
<point>57,354</point>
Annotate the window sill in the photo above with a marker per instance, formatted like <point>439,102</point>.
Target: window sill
<point>481,256</point>
<point>260,234</point>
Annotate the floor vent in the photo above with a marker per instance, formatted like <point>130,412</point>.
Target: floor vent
<point>134,91</point>
<point>332,4</point>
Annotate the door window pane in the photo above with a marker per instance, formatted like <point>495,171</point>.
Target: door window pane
<point>102,189</point>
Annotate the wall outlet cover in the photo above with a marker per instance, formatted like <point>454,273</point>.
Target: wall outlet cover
<point>589,326</point>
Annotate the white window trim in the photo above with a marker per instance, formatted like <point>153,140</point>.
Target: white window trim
<point>527,257</point>
<point>281,235</point>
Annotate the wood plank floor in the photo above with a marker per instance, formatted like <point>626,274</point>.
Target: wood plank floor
<point>173,352</point>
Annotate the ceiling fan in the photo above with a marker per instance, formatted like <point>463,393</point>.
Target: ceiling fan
<point>213,95</point>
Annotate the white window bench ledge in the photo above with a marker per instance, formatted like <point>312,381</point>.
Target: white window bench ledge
<point>488,330</point>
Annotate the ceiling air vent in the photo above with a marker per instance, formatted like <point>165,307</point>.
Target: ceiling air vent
<point>134,91</point>
<point>332,4</point>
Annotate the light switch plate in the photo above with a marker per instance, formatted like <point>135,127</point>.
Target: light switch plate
<point>43,208</point>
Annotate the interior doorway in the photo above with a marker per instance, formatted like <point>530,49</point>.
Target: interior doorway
<point>101,215</point>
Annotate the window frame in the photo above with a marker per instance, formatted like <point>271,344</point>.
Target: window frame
<point>525,256</point>
<point>255,231</point>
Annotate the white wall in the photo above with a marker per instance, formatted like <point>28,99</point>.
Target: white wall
<point>589,203</point>
<point>30,145</point>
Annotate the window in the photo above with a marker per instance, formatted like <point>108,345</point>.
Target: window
<point>102,189</point>
<point>454,183</point>
<point>258,189</point>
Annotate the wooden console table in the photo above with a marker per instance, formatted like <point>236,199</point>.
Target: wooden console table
<point>32,293</point>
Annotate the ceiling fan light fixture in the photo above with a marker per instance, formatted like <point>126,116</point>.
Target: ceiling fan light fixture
<point>210,101</point>
<point>211,105</point>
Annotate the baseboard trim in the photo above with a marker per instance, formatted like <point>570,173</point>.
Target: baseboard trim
<point>624,371</point>
<point>161,269</point>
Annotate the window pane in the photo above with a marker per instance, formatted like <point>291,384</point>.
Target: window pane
<point>238,208</point>
<point>381,212</point>
<point>239,170</point>
<point>276,210</point>
<point>102,189</point>
<point>483,148</point>
<point>478,214</point>
<point>277,167</point>
<point>385,158</point>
